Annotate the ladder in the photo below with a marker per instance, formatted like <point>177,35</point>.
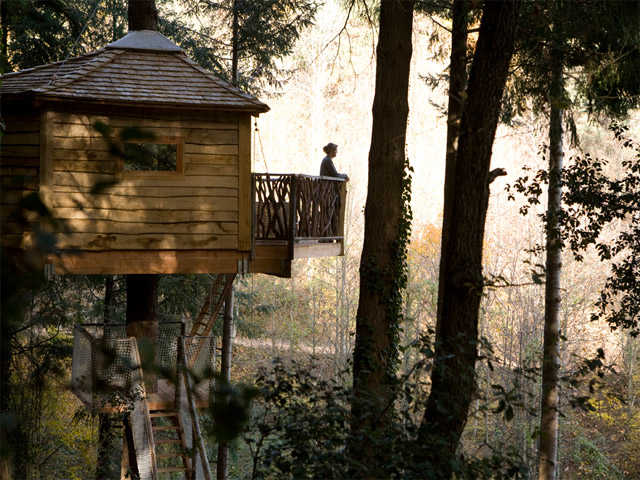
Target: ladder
<point>171,451</point>
<point>212,305</point>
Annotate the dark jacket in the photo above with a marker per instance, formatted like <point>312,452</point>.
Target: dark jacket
<point>328,169</point>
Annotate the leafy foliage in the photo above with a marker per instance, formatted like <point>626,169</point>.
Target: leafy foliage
<point>300,424</point>
<point>594,201</point>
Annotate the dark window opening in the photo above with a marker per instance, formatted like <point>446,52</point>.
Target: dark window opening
<point>150,157</point>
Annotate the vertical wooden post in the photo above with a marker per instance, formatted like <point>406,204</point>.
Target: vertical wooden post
<point>245,190</point>
<point>293,217</point>
<point>222,467</point>
<point>341,214</point>
<point>254,206</point>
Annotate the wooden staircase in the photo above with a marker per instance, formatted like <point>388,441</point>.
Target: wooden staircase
<point>171,451</point>
<point>212,305</point>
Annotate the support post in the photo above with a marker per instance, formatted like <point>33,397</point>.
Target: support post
<point>293,218</point>
<point>222,467</point>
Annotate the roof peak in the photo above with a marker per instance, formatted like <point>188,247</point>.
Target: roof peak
<point>145,40</point>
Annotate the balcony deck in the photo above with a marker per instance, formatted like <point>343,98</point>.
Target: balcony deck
<point>294,216</point>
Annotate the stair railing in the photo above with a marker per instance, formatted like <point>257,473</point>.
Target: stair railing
<point>197,434</point>
<point>143,435</point>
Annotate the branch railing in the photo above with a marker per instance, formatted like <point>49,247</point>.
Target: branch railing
<point>298,207</point>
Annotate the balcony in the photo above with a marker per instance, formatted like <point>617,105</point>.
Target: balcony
<point>303,212</point>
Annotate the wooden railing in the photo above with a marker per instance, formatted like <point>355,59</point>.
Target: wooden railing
<point>298,207</point>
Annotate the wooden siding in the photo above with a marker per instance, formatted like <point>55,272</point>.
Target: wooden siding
<point>19,172</point>
<point>197,209</point>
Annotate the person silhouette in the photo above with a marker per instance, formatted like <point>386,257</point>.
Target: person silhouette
<point>327,168</point>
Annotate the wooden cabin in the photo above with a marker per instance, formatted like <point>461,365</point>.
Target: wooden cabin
<point>144,160</point>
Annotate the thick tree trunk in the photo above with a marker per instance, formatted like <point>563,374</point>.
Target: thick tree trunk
<point>142,320</point>
<point>457,83</point>
<point>143,15</point>
<point>453,378</point>
<point>377,328</point>
<point>222,466</point>
<point>551,350</point>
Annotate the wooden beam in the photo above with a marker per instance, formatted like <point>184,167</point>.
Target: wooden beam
<point>147,261</point>
<point>244,183</point>
<point>341,214</point>
<point>46,156</point>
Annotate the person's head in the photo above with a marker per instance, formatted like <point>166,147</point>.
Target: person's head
<point>331,149</point>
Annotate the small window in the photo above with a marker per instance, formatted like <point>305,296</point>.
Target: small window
<point>161,156</point>
<point>150,157</point>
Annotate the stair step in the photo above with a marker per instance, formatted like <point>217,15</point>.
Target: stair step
<point>172,469</point>
<point>163,414</point>
<point>165,427</point>
<point>171,455</point>
<point>167,440</point>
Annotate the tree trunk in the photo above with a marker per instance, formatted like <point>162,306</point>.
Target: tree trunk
<point>4,22</point>
<point>105,429</point>
<point>377,325</point>
<point>142,320</point>
<point>143,15</point>
<point>457,83</point>
<point>551,352</point>
<point>222,465</point>
<point>453,377</point>
<point>234,44</point>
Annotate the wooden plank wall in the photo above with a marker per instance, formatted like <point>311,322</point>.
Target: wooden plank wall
<point>197,209</point>
<point>19,171</point>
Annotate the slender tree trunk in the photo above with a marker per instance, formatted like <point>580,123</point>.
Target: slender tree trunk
<point>457,84</point>
<point>222,466</point>
<point>377,326</point>
<point>453,378</point>
<point>143,15</point>
<point>234,44</point>
<point>4,23</point>
<point>142,320</point>
<point>7,452</point>
<point>104,446</point>
<point>551,350</point>
<point>105,429</point>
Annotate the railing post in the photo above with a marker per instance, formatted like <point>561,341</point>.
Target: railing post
<point>293,217</point>
<point>343,206</point>
<point>254,207</point>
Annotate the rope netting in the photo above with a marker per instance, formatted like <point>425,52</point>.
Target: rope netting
<point>200,353</point>
<point>104,361</point>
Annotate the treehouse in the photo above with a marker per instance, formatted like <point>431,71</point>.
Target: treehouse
<point>144,160</point>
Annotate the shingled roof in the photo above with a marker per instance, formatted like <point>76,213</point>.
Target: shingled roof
<point>144,67</point>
